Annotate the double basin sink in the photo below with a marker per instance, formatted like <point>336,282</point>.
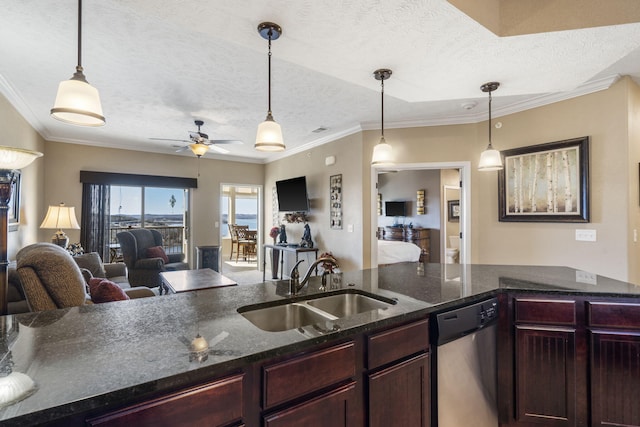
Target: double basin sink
<point>294,314</point>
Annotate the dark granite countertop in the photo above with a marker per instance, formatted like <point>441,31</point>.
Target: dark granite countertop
<point>100,355</point>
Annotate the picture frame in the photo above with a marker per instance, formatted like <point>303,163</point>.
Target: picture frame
<point>13,213</point>
<point>335,202</point>
<point>454,210</point>
<point>545,183</point>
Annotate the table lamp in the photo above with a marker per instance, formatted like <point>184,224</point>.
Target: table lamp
<point>59,217</point>
<point>11,159</point>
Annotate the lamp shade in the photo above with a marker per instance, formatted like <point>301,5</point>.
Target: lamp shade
<point>78,103</point>
<point>16,158</point>
<point>490,160</point>
<point>59,217</point>
<point>199,149</point>
<point>382,154</point>
<point>269,136</point>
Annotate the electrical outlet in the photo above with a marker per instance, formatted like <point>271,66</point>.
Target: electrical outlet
<point>586,235</point>
<point>350,228</point>
<point>635,235</point>
<point>586,277</point>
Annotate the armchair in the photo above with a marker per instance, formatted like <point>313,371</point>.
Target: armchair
<point>143,269</point>
<point>51,279</point>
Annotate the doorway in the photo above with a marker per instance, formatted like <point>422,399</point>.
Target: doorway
<point>240,206</point>
<point>464,208</point>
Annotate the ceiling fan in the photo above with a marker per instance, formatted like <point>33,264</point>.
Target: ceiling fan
<point>200,143</point>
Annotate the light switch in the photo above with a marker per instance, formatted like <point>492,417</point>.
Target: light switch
<point>350,228</point>
<point>586,235</point>
<point>217,224</point>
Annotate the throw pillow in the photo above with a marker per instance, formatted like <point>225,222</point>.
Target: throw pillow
<point>157,252</point>
<point>92,262</point>
<point>103,290</point>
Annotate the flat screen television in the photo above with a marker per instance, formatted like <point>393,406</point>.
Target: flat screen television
<point>292,195</point>
<point>395,208</point>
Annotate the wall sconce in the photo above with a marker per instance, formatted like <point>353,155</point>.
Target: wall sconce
<point>420,202</point>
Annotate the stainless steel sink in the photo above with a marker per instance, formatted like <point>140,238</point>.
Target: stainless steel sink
<point>292,315</point>
<point>285,317</point>
<point>343,305</point>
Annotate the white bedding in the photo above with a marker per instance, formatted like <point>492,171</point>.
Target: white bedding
<point>391,252</point>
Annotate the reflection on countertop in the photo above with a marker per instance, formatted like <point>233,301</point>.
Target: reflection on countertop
<point>97,355</point>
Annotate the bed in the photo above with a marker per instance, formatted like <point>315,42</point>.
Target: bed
<point>392,251</point>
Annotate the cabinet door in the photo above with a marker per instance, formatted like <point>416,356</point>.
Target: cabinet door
<point>615,378</point>
<point>218,403</point>
<point>545,375</point>
<point>399,395</point>
<point>336,409</point>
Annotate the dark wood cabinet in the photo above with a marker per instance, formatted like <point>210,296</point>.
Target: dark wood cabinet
<point>399,378</point>
<point>399,394</point>
<point>545,360</point>
<point>614,335</point>
<point>546,375</point>
<point>418,236</point>
<point>218,403</point>
<point>335,409</point>
<point>575,362</point>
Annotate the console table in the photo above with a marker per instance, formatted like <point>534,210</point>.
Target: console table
<point>275,254</point>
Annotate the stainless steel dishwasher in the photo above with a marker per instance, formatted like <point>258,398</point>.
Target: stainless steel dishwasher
<point>464,366</point>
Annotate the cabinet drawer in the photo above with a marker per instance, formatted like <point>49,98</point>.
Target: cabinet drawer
<point>213,404</point>
<point>548,312</point>
<point>301,375</point>
<point>614,315</point>
<point>394,344</point>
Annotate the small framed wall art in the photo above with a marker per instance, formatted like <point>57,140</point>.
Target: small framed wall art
<point>420,202</point>
<point>335,202</point>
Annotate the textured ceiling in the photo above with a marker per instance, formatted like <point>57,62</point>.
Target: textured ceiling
<point>161,64</point>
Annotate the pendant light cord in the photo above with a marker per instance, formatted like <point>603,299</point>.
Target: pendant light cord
<point>382,109</point>
<point>270,34</point>
<point>490,146</point>
<point>79,67</point>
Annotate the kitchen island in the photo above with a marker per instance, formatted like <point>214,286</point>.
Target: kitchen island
<point>90,360</point>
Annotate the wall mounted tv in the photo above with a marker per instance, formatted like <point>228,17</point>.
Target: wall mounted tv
<point>395,208</point>
<point>292,195</point>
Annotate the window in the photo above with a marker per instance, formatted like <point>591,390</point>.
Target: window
<point>162,209</point>
<point>112,202</point>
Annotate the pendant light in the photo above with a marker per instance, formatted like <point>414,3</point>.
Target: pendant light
<point>77,102</point>
<point>382,152</point>
<point>269,136</point>
<point>490,159</point>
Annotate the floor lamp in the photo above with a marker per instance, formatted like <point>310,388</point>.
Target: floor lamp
<point>11,159</point>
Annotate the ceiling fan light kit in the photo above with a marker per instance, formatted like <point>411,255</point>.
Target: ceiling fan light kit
<point>269,135</point>
<point>382,152</point>
<point>77,102</point>
<point>490,159</point>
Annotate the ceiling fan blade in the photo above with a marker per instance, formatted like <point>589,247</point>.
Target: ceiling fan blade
<point>181,149</point>
<point>169,139</point>
<point>225,141</point>
<point>218,149</point>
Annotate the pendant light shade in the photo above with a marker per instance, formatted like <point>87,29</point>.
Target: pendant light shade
<point>490,159</point>
<point>382,152</point>
<point>269,135</point>
<point>77,102</point>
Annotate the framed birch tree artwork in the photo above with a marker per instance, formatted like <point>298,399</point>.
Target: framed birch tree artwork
<point>545,183</point>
